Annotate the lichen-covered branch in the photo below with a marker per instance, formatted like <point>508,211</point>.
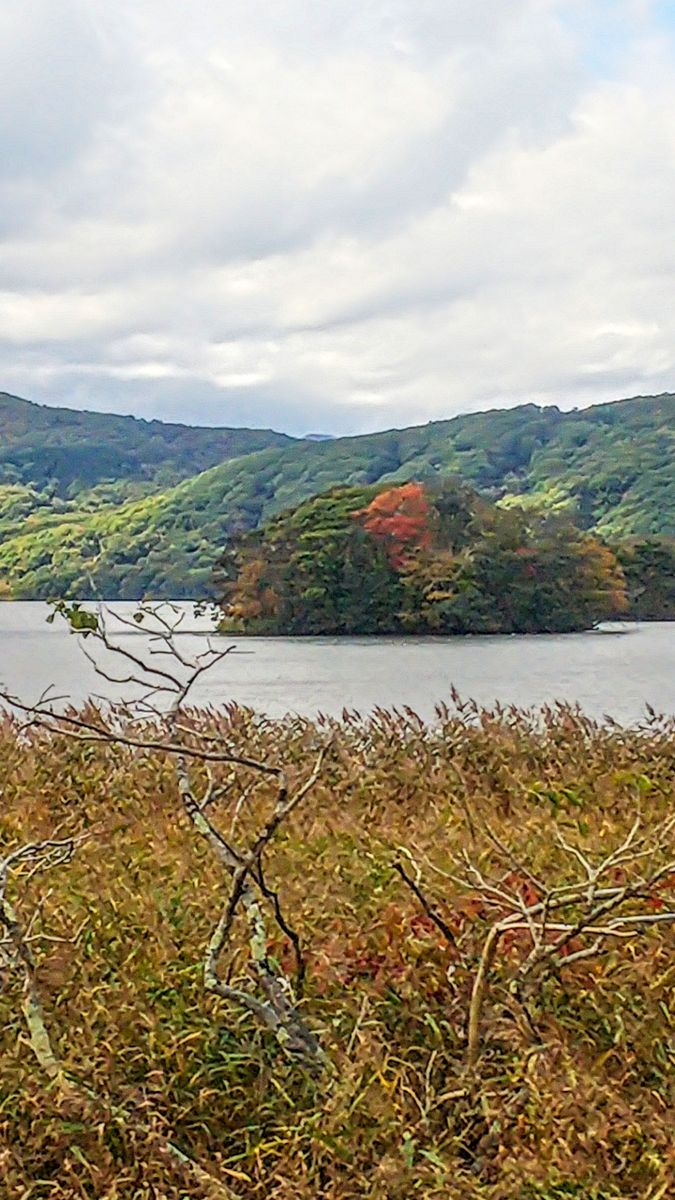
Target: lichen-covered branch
<point>278,1011</point>
<point>163,675</point>
<point>16,957</point>
<point>15,950</point>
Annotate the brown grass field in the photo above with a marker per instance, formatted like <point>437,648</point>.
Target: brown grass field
<point>572,1095</point>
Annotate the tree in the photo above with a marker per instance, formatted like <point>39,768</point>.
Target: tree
<point>649,569</point>
<point>400,519</point>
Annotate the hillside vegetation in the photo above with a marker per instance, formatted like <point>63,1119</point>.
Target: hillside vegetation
<point>416,558</point>
<point>611,466</point>
<point>65,453</point>
<point>573,1093</point>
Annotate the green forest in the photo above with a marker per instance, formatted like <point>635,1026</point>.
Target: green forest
<point>93,505</point>
<point>62,453</point>
<point>438,559</point>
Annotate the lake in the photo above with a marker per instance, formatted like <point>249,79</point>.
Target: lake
<point>605,674</point>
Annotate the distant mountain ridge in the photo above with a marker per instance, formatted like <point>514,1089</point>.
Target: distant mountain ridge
<point>69,450</point>
<point>127,533</point>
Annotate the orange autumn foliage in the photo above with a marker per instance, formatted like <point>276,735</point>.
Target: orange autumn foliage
<point>400,518</point>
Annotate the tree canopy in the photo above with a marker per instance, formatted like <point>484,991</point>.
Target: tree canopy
<point>421,559</point>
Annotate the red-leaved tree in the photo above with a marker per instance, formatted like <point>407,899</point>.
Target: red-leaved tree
<point>400,518</point>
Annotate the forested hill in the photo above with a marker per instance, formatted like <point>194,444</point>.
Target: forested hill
<point>418,558</point>
<point>612,466</point>
<point>68,452</point>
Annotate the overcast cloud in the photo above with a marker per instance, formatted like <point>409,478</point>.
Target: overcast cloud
<point>335,215</point>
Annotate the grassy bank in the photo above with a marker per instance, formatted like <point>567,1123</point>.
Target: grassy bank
<point>572,1093</point>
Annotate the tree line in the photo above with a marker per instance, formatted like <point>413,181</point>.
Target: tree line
<point>435,559</point>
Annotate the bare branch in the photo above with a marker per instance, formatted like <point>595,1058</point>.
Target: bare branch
<point>43,856</point>
<point>428,908</point>
<point>249,893</point>
<point>68,724</point>
<point>567,922</point>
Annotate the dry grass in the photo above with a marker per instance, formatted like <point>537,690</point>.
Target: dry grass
<point>580,1106</point>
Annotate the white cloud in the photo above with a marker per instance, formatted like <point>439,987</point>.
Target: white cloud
<point>339,215</point>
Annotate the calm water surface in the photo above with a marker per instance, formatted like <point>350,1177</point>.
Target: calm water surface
<point>606,674</point>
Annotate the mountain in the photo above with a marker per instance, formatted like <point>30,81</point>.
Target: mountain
<point>612,466</point>
<point>67,452</point>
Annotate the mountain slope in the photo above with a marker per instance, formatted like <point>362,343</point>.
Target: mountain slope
<point>614,464</point>
<point>68,452</point>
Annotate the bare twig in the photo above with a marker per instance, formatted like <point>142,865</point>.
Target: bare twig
<point>17,955</point>
<point>428,908</point>
<point>559,924</point>
<point>162,670</point>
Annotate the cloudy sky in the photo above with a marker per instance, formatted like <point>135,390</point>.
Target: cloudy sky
<point>336,215</point>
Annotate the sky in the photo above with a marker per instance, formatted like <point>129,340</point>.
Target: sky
<point>336,215</point>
